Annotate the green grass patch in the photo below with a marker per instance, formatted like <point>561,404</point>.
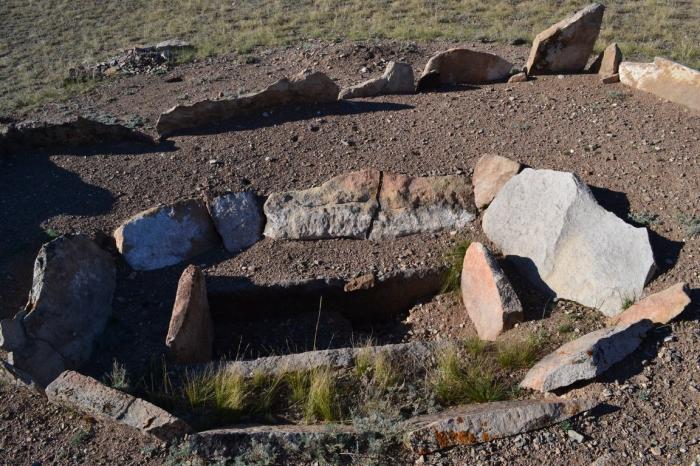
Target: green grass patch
<point>455,260</point>
<point>520,354</point>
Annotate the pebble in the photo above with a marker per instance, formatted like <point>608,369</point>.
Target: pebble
<point>575,436</point>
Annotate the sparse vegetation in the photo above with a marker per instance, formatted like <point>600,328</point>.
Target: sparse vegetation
<point>690,224</point>
<point>565,328</point>
<point>322,403</point>
<point>81,436</point>
<point>643,218</point>
<point>455,260</point>
<point>117,378</point>
<point>457,381</point>
<point>520,354</point>
<point>627,302</point>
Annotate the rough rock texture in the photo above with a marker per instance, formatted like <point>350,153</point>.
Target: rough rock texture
<point>566,46</point>
<point>518,78</point>
<point>659,308</point>
<point>88,396</point>
<point>664,78</point>
<point>610,60</point>
<point>397,79</point>
<point>166,234</point>
<point>307,87</point>
<point>69,305</point>
<point>77,131</point>
<point>550,226</point>
<point>610,79</point>
<point>409,205</point>
<point>490,174</point>
<point>487,294</point>
<point>238,219</point>
<point>468,425</point>
<point>191,331</point>
<point>363,282</point>
<point>342,207</point>
<point>586,357</point>
<point>463,66</point>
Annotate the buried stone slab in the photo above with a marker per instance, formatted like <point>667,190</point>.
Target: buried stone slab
<point>166,234</point>
<point>342,207</point>
<point>463,66</point>
<point>490,174</point>
<point>608,61</point>
<point>551,227</point>
<point>410,205</point>
<point>397,79</point>
<point>88,396</point>
<point>68,308</point>
<point>480,423</point>
<point>307,87</point>
<point>566,46</point>
<point>665,79</point>
<point>586,357</point>
<point>488,296</point>
<point>659,308</point>
<point>238,219</point>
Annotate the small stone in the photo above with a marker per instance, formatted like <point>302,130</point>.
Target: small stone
<point>575,436</point>
<point>518,78</point>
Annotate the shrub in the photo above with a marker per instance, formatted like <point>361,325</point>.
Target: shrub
<point>519,354</point>
<point>321,403</point>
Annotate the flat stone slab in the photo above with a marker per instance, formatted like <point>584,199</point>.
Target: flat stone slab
<point>410,205</point>
<point>659,308</point>
<point>551,227</point>
<point>490,174</point>
<point>586,357</point>
<point>166,234</point>
<point>468,425</point>
<point>666,79</point>
<point>238,218</point>
<point>463,66</point>
<point>307,87</point>
<point>566,46</point>
<point>88,396</point>
<point>397,79</point>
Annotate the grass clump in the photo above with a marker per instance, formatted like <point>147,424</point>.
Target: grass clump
<point>565,328</point>
<point>455,260</point>
<point>376,366</point>
<point>298,386</point>
<point>454,383</point>
<point>321,403</point>
<point>117,378</point>
<point>643,218</point>
<point>690,224</point>
<point>265,391</point>
<point>519,354</point>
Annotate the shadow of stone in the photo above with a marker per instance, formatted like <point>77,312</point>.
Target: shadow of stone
<point>666,252</point>
<point>613,201</point>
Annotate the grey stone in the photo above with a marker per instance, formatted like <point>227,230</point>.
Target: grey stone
<point>550,226</point>
<point>88,396</point>
<point>397,79</point>
<point>12,333</point>
<point>467,425</point>
<point>238,219</point>
<point>586,357</point>
<point>166,234</point>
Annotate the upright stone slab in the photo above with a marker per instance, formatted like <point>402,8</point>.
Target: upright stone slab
<point>659,308</point>
<point>610,60</point>
<point>550,226</point>
<point>665,79</point>
<point>88,396</point>
<point>463,66</point>
<point>191,332</point>
<point>566,46</point>
<point>238,219</point>
<point>166,234</point>
<point>488,296</point>
<point>586,357</point>
<point>490,174</point>
<point>397,79</point>
<point>410,205</point>
<point>68,308</point>
<point>342,207</point>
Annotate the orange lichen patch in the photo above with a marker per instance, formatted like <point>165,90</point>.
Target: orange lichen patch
<point>447,439</point>
<point>485,437</point>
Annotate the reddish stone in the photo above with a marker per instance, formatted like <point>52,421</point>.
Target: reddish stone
<point>660,308</point>
<point>490,174</point>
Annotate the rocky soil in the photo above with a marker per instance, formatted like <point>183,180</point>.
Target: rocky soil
<point>638,153</point>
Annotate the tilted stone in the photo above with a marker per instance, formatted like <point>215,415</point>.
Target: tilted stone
<point>664,78</point>
<point>550,226</point>
<point>307,87</point>
<point>468,425</point>
<point>238,219</point>
<point>610,61</point>
<point>166,234</point>
<point>566,46</point>
<point>659,308</point>
<point>410,205</point>
<point>488,296</point>
<point>88,396</point>
<point>342,207</point>
<point>397,79</point>
<point>586,357</point>
<point>463,66</point>
<point>190,336</point>
<point>490,174</point>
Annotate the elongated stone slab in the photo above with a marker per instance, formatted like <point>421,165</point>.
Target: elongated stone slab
<point>660,308</point>
<point>468,425</point>
<point>463,66</point>
<point>665,79</point>
<point>397,79</point>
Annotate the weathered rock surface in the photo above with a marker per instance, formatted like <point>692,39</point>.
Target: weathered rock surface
<point>88,396</point>
<point>72,132</point>
<point>610,79</point>
<point>363,282</point>
<point>190,336</point>
<point>610,61</point>
<point>666,79</point>
<point>307,87</point>
<point>487,294</point>
<point>238,219</point>
<point>659,308</point>
<point>409,205</point>
<point>342,207</point>
<point>166,234</point>
<point>463,66</point>
<point>566,46</point>
<point>490,174</point>
<point>69,305</point>
<point>397,79</point>
<point>469,425</point>
<point>518,78</point>
<point>550,226</point>
<point>586,357</point>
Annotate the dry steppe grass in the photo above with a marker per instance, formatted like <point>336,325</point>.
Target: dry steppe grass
<point>41,39</point>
